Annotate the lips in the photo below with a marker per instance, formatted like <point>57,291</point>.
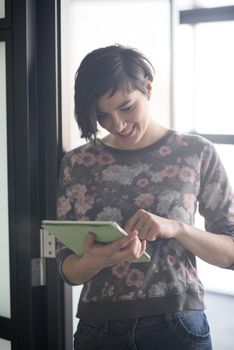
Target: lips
<point>127,131</point>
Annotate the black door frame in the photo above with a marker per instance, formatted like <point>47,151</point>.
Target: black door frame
<point>31,33</point>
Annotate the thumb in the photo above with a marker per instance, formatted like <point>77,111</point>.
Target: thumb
<point>89,240</point>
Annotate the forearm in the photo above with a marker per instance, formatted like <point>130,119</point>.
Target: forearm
<point>216,249</point>
<point>79,270</point>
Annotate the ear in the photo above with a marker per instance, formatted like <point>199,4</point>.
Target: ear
<point>149,87</point>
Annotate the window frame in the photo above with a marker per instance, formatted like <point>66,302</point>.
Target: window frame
<point>205,15</point>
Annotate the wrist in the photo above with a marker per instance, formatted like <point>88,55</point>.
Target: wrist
<point>92,263</point>
<point>180,229</point>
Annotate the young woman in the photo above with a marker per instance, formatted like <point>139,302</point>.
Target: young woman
<point>150,180</point>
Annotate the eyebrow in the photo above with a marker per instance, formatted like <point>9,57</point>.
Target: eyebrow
<point>119,107</point>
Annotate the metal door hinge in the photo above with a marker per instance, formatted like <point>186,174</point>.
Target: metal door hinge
<point>38,272</point>
<point>48,244</point>
<point>38,265</point>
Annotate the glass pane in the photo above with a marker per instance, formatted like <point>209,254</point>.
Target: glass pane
<point>4,237</point>
<point>2,8</point>
<point>184,78</point>
<point>215,279</point>
<point>204,78</point>
<point>226,153</point>
<point>214,79</point>
<point>5,344</point>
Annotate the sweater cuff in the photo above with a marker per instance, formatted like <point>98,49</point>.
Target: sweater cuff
<point>62,254</point>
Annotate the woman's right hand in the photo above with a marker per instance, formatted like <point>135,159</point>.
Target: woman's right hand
<point>124,249</point>
<point>97,256</point>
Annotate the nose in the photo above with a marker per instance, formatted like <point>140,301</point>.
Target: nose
<point>117,122</point>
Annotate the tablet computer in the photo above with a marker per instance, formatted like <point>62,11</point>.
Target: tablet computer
<point>73,233</point>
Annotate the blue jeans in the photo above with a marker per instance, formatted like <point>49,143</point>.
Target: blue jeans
<point>185,330</point>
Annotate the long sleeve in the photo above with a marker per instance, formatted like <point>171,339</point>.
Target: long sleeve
<point>216,199</point>
<point>64,212</point>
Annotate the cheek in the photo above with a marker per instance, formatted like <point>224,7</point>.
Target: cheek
<point>104,124</point>
<point>138,115</point>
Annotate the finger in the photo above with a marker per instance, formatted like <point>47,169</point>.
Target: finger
<point>130,236</point>
<point>139,248</point>
<point>143,247</point>
<point>144,230</point>
<point>129,252</point>
<point>89,241</point>
<point>144,244</point>
<point>132,222</point>
<point>152,235</point>
<point>119,244</point>
<point>136,250</point>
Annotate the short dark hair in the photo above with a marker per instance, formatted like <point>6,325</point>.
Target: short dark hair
<point>107,69</point>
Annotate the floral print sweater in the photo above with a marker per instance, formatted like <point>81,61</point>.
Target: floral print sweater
<point>170,178</point>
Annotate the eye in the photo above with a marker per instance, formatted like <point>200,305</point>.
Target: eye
<point>126,109</point>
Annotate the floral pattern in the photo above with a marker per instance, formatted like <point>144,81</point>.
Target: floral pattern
<point>170,178</point>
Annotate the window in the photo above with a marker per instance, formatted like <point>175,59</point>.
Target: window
<point>204,85</point>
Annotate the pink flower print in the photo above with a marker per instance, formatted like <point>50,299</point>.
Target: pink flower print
<point>189,201</point>
<point>180,141</point>
<point>78,190</point>
<point>178,161</point>
<point>155,268</point>
<point>85,291</point>
<point>83,204</point>
<point>142,182</point>
<point>85,158</point>
<point>187,174</point>
<point>171,259</point>
<point>144,200</point>
<point>105,159</point>
<point>135,278</point>
<point>76,158</point>
<point>107,290</point>
<point>84,218</point>
<point>164,150</point>
<point>121,270</point>
<point>67,174</point>
<point>170,170</point>
<point>190,276</point>
<point>129,296</point>
<point>63,206</point>
<point>205,162</point>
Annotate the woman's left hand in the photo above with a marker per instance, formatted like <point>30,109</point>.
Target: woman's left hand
<point>150,226</point>
<point>215,249</point>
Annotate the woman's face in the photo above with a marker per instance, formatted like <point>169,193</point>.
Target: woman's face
<point>126,116</point>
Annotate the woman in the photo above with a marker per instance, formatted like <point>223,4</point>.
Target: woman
<point>149,179</point>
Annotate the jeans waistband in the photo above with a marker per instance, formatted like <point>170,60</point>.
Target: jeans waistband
<point>129,323</point>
